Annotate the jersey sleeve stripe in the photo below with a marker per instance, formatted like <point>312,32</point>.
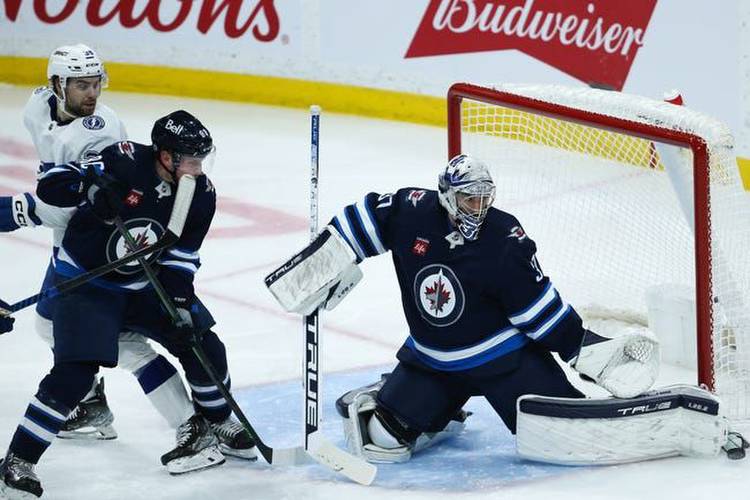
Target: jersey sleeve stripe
<point>551,323</point>
<point>371,228</point>
<point>183,254</point>
<point>537,306</point>
<point>180,264</point>
<point>342,224</point>
<point>359,231</point>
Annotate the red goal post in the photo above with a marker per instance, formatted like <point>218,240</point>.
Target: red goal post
<point>573,120</point>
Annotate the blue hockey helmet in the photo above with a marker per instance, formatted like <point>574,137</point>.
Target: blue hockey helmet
<point>466,191</point>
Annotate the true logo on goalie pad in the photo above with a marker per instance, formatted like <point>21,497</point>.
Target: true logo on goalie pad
<point>438,295</point>
<point>145,232</point>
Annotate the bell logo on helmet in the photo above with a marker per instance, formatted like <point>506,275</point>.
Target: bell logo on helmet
<point>173,127</point>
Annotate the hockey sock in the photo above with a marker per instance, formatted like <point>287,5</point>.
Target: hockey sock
<point>209,402</point>
<point>162,384</point>
<point>207,399</point>
<point>59,392</point>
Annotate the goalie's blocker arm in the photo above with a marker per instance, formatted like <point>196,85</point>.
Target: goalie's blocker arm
<point>321,275</point>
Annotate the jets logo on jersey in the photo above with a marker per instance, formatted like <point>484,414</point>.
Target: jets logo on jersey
<point>420,247</point>
<point>94,122</point>
<point>145,232</point>
<point>438,294</point>
<point>415,196</point>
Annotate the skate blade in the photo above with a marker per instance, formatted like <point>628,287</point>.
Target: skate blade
<point>8,493</point>
<point>250,454</point>
<point>204,459</point>
<point>105,432</point>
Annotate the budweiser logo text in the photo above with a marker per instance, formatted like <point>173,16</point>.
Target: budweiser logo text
<point>593,41</point>
<point>262,19</point>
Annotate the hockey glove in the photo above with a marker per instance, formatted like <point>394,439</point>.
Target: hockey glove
<point>105,194</point>
<point>626,364</point>
<point>182,336</point>
<point>6,322</point>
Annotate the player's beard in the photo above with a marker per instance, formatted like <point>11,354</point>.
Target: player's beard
<point>84,108</point>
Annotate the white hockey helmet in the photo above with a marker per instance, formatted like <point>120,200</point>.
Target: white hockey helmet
<point>466,191</point>
<point>74,61</point>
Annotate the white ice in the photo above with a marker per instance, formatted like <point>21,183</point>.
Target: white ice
<point>261,174</point>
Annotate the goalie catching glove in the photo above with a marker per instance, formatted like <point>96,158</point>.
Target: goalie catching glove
<point>626,364</point>
<point>321,275</point>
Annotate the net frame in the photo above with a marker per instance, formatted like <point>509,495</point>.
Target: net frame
<point>650,131</point>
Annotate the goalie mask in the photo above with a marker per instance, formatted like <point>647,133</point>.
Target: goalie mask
<point>466,191</point>
<point>74,61</point>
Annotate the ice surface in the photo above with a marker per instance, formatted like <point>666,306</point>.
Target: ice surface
<point>261,175</point>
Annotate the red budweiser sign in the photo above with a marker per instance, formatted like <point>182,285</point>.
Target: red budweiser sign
<point>594,41</point>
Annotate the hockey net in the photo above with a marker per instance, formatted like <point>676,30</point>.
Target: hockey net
<point>608,185</point>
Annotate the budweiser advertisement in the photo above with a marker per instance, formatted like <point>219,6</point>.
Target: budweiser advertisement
<point>593,41</point>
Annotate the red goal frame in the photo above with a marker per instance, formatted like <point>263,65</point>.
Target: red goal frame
<point>701,189</point>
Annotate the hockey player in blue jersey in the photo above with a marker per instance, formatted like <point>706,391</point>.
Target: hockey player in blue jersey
<point>136,183</point>
<point>67,121</point>
<point>483,317</point>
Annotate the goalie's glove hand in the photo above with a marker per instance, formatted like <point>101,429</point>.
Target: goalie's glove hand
<point>626,364</point>
<point>6,322</point>
<point>105,194</point>
<point>182,336</point>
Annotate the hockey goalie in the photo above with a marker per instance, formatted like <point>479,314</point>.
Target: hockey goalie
<point>484,320</point>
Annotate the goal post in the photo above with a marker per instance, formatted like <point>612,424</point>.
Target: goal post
<point>582,170</point>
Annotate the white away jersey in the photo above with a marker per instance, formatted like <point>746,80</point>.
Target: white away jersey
<point>57,144</point>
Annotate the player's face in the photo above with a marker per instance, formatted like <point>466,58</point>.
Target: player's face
<point>81,95</point>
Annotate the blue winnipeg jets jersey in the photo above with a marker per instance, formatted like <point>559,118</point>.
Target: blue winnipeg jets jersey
<point>470,305</point>
<point>89,243</point>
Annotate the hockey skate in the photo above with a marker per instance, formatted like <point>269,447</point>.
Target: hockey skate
<point>91,419</point>
<point>234,439</point>
<point>197,448</point>
<point>18,479</point>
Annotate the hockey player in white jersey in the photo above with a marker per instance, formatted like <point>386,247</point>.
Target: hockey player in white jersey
<point>67,122</point>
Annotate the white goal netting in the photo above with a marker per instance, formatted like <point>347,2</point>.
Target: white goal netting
<point>612,212</point>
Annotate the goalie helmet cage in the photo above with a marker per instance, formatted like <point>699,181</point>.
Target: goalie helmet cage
<point>581,169</point>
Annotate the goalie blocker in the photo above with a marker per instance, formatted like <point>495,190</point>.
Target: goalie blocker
<point>322,274</point>
<point>675,420</point>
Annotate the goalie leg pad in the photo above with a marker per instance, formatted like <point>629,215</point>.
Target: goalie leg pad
<point>309,278</point>
<point>676,420</point>
<point>376,435</point>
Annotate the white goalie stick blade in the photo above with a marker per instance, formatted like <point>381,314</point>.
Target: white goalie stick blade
<point>290,456</point>
<point>326,453</point>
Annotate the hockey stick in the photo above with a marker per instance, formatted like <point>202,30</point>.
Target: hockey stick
<point>183,198</point>
<point>289,456</point>
<point>316,444</point>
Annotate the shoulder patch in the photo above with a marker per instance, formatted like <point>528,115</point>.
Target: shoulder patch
<point>415,196</point>
<point>126,148</point>
<point>518,233</point>
<point>94,122</point>
<point>209,186</point>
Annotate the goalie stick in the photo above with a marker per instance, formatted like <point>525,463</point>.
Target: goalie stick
<point>183,198</point>
<point>317,445</point>
<point>284,456</point>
